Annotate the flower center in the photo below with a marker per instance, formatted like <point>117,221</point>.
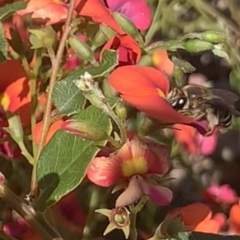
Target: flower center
<point>4,101</point>
<point>135,166</point>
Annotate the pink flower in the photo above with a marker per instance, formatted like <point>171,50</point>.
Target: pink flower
<point>207,145</point>
<point>137,11</point>
<point>133,167</point>
<point>221,194</point>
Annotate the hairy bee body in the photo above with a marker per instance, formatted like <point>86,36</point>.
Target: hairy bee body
<point>198,102</point>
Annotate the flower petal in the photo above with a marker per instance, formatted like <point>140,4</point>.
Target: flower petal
<point>137,11</point>
<point>99,13</point>
<point>162,62</point>
<point>157,155</point>
<point>185,136</point>
<point>158,194</point>
<point>193,214</point>
<point>128,78</point>
<point>53,128</point>
<point>131,194</point>
<point>209,226</point>
<point>8,67</point>
<point>104,171</point>
<point>126,42</point>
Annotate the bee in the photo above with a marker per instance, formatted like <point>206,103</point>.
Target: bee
<point>217,106</point>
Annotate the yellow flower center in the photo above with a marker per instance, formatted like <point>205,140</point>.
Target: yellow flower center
<point>134,166</point>
<point>161,93</point>
<point>4,101</point>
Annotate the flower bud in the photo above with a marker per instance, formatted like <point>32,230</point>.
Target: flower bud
<point>99,39</point>
<point>121,110</point>
<point>196,45</point>
<point>128,26</point>
<point>107,31</point>
<point>81,48</point>
<point>45,37</point>
<point>119,218</point>
<point>213,37</point>
<point>85,130</point>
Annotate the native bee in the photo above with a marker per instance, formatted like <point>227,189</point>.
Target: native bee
<point>217,106</point>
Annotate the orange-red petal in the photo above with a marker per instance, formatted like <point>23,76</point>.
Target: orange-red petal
<point>38,130</point>
<point>185,136</point>
<point>162,62</point>
<point>193,214</point>
<point>97,10</point>
<point>125,41</point>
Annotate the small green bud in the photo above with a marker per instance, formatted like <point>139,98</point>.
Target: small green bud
<point>81,49</point>
<point>196,45</point>
<point>99,39</point>
<point>126,24</point>
<point>107,31</point>
<point>128,27</point>
<point>45,37</point>
<point>121,110</point>
<point>85,130</point>
<point>15,128</point>
<point>213,37</point>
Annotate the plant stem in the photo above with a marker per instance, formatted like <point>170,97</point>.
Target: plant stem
<point>24,210</point>
<point>119,123</point>
<point>133,231</point>
<point>133,216</point>
<point>153,28</point>
<point>56,63</point>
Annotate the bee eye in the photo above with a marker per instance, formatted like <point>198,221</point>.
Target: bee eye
<point>179,104</point>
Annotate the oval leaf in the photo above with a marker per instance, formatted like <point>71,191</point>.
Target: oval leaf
<point>63,161</point>
<point>67,97</point>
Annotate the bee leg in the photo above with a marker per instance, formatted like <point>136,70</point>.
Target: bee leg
<point>213,121</point>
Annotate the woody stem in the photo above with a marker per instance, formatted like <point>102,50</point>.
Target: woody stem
<point>55,66</point>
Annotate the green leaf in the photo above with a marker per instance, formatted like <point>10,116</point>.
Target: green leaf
<point>9,9</point>
<point>220,51</point>
<point>63,161</point>
<point>234,80</point>
<point>3,45</point>
<point>67,97</point>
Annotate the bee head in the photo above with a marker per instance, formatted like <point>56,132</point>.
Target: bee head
<point>177,98</point>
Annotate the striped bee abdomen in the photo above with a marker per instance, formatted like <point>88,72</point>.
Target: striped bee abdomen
<point>225,118</point>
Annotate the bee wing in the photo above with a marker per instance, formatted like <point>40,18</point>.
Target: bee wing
<point>226,100</point>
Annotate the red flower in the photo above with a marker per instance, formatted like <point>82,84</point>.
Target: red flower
<point>198,216</point>
<point>145,88</point>
<point>135,162</point>
<point>14,89</point>
<point>234,218</point>
<point>194,142</point>
<point>129,51</point>
<point>53,11</point>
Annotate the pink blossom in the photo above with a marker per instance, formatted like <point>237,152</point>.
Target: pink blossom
<point>207,145</point>
<point>137,11</point>
<point>221,194</point>
<point>133,167</point>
